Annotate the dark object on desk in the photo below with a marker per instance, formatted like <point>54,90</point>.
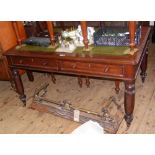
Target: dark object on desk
<point>38,41</point>
<point>115,36</point>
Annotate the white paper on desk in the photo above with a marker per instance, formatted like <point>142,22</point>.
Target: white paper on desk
<point>89,127</point>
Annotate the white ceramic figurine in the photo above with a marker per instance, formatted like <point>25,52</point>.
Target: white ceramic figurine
<point>77,37</point>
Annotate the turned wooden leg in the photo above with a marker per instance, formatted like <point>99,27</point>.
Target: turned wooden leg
<point>53,78</point>
<point>19,85</point>
<point>30,75</point>
<point>129,101</point>
<point>132,30</point>
<point>51,32</point>
<point>117,89</point>
<point>144,67</point>
<point>84,33</point>
<point>87,82</point>
<point>80,81</point>
<point>11,79</point>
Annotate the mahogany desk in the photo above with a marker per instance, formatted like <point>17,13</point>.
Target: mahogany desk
<point>124,68</point>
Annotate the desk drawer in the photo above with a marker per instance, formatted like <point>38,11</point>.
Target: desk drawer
<point>92,68</point>
<point>74,66</point>
<point>103,69</point>
<point>35,62</point>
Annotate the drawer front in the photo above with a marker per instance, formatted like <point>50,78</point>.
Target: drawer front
<point>96,69</point>
<point>74,66</point>
<point>103,69</point>
<point>92,68</point>
<point>35,62</point>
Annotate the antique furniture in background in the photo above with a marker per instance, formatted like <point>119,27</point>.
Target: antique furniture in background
<point>118,68</point>
<point>39,28</point>
<point>4,75</point>
<point>8,40</point>
<point>35,28</point>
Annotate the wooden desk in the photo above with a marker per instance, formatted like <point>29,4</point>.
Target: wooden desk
<point>124,68</point>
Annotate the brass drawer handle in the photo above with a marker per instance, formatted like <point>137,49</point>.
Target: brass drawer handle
<point>106,69</point>
<point>32,60</point>
<point>45,63</point>
<point>74,66</point>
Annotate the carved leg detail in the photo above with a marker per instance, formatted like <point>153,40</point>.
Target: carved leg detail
<point>30,75</point>
<point>19,85</point>
<point>129,101</point>
<point>144,67</point>
<point>80,81</point>
<point>117,89</point>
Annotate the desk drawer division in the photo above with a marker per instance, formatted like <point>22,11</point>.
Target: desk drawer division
<point>92,68</point>
<point>35,62</point>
